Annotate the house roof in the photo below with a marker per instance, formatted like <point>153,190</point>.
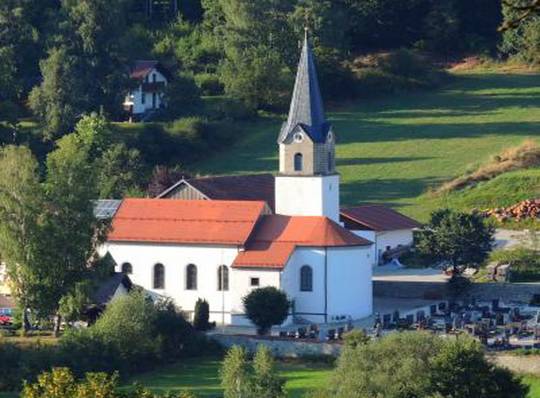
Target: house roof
<point>141,68</point>
<point>241,187</point>
<point>276,237</point>
<point>107,288</point>
<point>378,218</point>
<point>306,108</point>
<point>185,221</point>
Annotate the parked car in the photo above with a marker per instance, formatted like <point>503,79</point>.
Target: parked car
<point>5,320</point>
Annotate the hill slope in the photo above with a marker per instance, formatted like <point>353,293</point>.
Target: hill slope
<point>392,149</point>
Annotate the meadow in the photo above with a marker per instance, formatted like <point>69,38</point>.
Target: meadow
<point>393,149</point>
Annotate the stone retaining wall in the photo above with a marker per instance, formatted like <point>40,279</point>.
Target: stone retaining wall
<point>519,292</point>
<point>282,348</point>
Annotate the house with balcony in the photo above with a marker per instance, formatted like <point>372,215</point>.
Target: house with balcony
<point>148,95</point>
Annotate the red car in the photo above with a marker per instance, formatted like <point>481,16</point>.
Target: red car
<point>5,320</point>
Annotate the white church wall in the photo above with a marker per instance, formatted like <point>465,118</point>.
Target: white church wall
<point>307,305</point>
<point>308,196</point>
<point>175,258</point>
<point>241,286</point>
<point>371,236</point>
<point>350,291</point>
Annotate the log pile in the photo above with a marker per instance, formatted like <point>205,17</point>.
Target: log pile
<point>525,209</point>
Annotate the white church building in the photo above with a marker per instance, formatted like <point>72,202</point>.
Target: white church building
<point>220,250</point>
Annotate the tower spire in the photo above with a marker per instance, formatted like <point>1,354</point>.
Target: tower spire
<point>306,109</point>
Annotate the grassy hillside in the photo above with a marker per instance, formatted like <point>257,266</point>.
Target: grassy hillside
<point>392,149</point>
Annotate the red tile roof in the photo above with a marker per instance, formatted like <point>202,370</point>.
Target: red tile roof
<point>185,221</point>
<point>276,237</point>
<point>141,68</point>
<point>377,218</point>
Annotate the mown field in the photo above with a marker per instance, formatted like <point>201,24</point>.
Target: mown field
<point>392,149</point>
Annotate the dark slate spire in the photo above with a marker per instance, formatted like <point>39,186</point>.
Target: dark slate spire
<point>306,105</point>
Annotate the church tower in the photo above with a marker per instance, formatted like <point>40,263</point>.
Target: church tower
<point>307,183</point>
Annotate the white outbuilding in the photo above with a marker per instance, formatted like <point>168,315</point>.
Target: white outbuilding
<point>148,95</point>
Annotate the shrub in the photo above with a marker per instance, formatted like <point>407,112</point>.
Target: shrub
<point>356,338</point>
<point>260,380</point>
<point>415,364</point>
<point>266,307</point>
<point>201,315</point>
<point>61,383</point>
<point>235,377</point>
<point>266,381</point>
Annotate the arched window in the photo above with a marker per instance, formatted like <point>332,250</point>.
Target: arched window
<point>191,277</point>
<point>159,276</point>
<point>306,279</point>
<point>298,162</point>
<point>127,268</point>
<point>223,278</point>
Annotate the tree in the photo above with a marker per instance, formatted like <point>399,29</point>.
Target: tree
<point>120,171</point>
<point>61,97</point>
<point>235,377</point>
<point>69,222</point>
<point>257,43</point>
<point>265,307</point>
<point>522,38</point>
<point>413,364</point>
<point>21,203</point>
<point>182,96</point>
<point>266,381</point>
<point>519,10</point>
<point>460,239</point>
<point>201,315</point>
<point>460,369</point>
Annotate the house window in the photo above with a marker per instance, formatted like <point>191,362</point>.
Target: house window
<point>223,278</point>
<point>298,162</point>
<point>154,100</point>
<point>143,98</point>
<point>254,282</point>
<point>127,268</point>
<point>159,276</point>
<point>191,277</point>
<point>154,77</point>
<point>306,279</point>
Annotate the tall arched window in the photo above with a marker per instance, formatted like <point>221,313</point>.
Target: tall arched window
<point>159,276</point>
<point>306,279</point>
<point>223,278</point>
<point>127,268</point>
<point>298,162</point>
<point>191,277</point>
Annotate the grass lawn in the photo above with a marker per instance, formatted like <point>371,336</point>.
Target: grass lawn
<point>202,377</point>
<point>392,149</point>
<point>534,384</point>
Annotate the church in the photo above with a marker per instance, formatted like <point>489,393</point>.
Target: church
<point>220,250</point>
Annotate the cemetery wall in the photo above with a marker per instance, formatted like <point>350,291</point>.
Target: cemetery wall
<point>282,348</point>
<point>518,292</point>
